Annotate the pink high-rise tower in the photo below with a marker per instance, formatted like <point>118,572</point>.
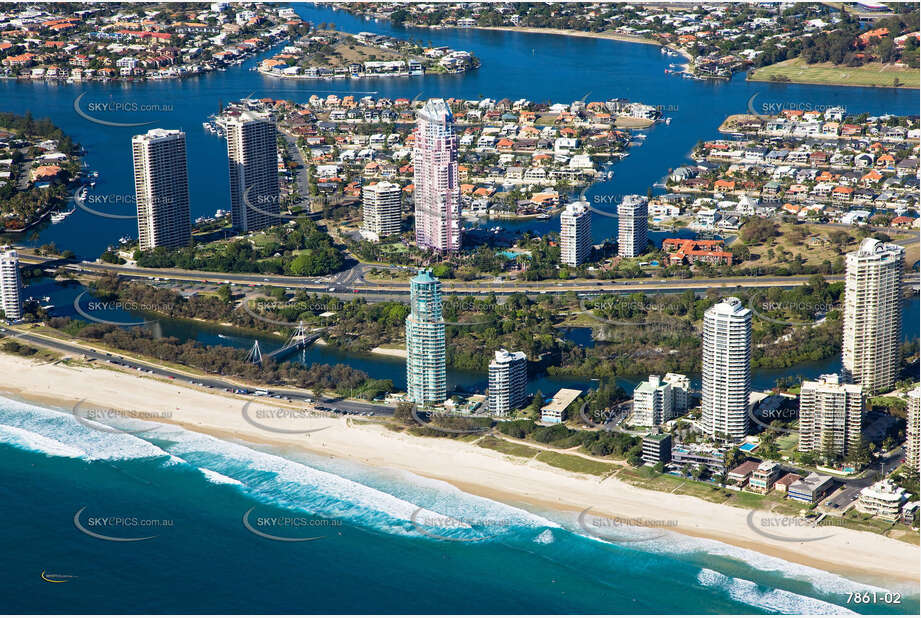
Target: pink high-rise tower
<point>437,192</point>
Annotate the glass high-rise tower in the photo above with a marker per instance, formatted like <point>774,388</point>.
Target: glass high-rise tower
<point>161,186</point>
<point>436,187</point>
<point>727,370</point>
<point>252,156</point>
<point>870,353</point>
<point>425,342</point>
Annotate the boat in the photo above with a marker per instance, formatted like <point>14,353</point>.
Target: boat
<point>57,217</point>
<point>543,216</point>
<point>668,121</point>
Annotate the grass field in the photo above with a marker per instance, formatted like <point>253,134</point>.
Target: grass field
<point>574,463</point>
<point>508,448</point>
<point>870,74</point>
<point>812,241</point>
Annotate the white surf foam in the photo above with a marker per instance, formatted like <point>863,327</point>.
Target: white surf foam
<point>823,581</point>
<point>219,479</point>
<point>63,428</point>
<point>283,482</point>
<point>446,498</point>
<point>31,441</point>
<point>769,599</point>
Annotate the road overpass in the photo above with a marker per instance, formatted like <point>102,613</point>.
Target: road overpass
<point>351,283</point>
<point>334,287</point>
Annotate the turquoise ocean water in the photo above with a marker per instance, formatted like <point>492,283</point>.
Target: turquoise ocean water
<point>391,544</point>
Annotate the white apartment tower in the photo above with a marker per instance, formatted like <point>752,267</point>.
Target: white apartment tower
<point>436,187</point>
<point>726,384</point>
<point>252,157</point>
<point>830,416</point>
<point>425,342</point>
<point>632,225</point>
<point>872,315</point>
<point>653,402</point>
<point>161,187</point>
<point>913,430</point>
<point>681,386</point>
<point>508,379</point>
<point>575,233</point>
<point>10,284</point>
<point>380,210</point>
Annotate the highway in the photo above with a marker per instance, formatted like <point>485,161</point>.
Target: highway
<point>351,282</point>
<point>75,348</point>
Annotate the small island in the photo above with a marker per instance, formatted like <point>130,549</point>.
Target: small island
<point>329,54</point>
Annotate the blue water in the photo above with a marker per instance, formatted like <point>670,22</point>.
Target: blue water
<point>514,65</point>
<point>376,561</point>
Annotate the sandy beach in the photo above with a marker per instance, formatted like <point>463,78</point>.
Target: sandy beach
<point>471,468</point>
<point>627,38</point>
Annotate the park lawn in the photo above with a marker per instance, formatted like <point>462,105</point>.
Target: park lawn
<point>395,247</point>
<point>904,534</point>
<point>623,122</point>
<point>507,448</point>
<point>788,443</point>
<point>747,500</point>
<point>350,50</point>
<point>858,521</point>
<point>870,74</point>
<point>646,478</point>
<point>574,463</point>
<point>810,240</point>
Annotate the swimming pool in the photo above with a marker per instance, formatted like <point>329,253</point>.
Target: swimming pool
<point>748,447</point>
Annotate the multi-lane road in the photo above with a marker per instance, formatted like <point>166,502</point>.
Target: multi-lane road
<point>352,282</point>
<point>129,363</point>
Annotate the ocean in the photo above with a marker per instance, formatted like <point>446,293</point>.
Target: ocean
<point>383,541</point>
<point>191,492</point>
<point>514,65</point>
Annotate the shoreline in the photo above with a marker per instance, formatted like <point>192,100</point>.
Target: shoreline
<point>824,83</point>
<point>473,469</point>
<point>611,36</point>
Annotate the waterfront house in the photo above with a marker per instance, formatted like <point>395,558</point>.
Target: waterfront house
<point>764,476</point>
<point>784,482</point>
<point>740,474</point>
